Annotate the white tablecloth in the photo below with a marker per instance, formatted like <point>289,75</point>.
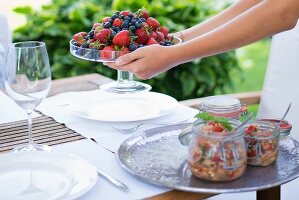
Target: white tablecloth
<point>106,137</point>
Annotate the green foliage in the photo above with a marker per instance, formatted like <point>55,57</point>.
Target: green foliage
<point>56,23</point>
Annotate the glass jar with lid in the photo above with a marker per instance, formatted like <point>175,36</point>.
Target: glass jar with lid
<point>217,154</point>
<point>262,139</point>
<point>223,106</point>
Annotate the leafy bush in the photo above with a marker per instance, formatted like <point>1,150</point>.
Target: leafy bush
<point>56,23</point>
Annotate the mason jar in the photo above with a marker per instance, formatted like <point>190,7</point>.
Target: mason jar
<point>223,106</point>
<point>217,156</point>
<point>262,140</point>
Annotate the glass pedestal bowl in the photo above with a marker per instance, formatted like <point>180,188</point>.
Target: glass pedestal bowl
<point>125,82</point>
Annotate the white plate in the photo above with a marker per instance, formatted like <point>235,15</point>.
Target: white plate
<point>44,175</point>
<point>103,106</point>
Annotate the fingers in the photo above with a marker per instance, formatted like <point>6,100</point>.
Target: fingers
<point>127,58</point>
<point>117,67</point>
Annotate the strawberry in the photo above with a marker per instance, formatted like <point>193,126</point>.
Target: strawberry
<point>142,36</point>
<point>153,35</point>
<point>164,30</point>
<point>96,25</point>
<point>103,35</point>
<point>153,23</point>
<point>160,36</point>
<point>123,51</point>
<point>117,22</point>
<point>107,53</point>
<point>122,39</point>
<point>125,13</point>
<point>80,38</point>
<point>105,19</point>
<point>144,14</point>
<point>151,41</point>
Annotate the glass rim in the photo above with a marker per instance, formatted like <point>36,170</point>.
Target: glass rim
<point>14,45</point>
<point>271,125</point>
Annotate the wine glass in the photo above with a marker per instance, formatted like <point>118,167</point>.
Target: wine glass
<point>27,81</point>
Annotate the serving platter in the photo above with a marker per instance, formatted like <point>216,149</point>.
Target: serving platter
<point>156,156</point>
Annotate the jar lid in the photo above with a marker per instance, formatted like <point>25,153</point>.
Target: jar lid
<point>221,101</point>
<point>285,126</point>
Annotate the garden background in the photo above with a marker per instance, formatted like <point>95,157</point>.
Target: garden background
<point>55,21</point>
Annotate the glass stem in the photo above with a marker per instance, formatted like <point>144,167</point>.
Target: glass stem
<point>124,77</point>
<point>29,114</point>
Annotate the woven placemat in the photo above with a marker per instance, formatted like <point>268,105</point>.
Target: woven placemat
<point>45,131</point>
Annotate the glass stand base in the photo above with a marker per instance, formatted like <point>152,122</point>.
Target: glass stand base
<point>123,88</point>
<point>34,147</point>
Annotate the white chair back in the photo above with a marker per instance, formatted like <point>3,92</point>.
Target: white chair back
<point>5,40</point>
<point>281,85</point>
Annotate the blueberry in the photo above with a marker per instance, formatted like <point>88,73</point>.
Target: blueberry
<point>114,16</point>
<point>125,22</point>
<point>133,20</point>
<point>132,47</point>
<point>113,27</point>
<point>130,15</point>
<point>75,44</point>
<point>132,28</point>
<point>111,21</point>
<point>127,18</point>
<point>113,33</point>
<point>140,45</point>
<point>138,25</point>
<point>132,34</point>
<point>107,25</point>
<point>143,19</point>
<point>162,43</point>
<point>117,29</point>
<point>85,45</point>
<point>79,52</point>
<point>91,34</point>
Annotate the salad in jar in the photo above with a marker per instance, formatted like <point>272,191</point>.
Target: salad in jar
<point>217,152</point>
<point>262,140</point>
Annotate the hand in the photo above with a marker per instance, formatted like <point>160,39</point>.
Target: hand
<point>145,62</point>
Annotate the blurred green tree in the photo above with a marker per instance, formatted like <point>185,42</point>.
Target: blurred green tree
<point>56,23</point>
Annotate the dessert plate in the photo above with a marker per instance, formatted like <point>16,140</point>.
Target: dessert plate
<point>109,107</point>
<point>44,175</point>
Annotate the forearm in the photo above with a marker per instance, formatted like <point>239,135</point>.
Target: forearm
<point>262,20</point>
<point>216,21</point>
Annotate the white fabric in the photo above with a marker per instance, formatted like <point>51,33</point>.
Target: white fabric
<point>111,139</point>
<point>5,39</point>
<point>90,151</point>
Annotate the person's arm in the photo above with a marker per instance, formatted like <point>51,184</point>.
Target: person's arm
<point>262,20</point>
<point>223,17</point>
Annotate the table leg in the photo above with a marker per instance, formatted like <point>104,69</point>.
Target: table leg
<point>269,194</point>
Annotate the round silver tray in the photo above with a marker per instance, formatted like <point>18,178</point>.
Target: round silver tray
<point>156,156</point>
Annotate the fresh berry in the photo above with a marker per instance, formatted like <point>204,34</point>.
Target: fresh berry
<point>124,51</point>
<point>132,47</point>
<point>142,36</point>
<point>151,41</point>
<point>107,25</point>
<point>164,30</point>
<point>160,36</point>
<point>95,25</point>
<point>80,38</point>
<point>153,35</point>
<point>122,39</point>
<point>117,22</point>
<point>107,53</point>
<point>103,35</point>
<point>105,19</point>
<point>153,23</point>
<point>125,13</point>
<point>144,14</point>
